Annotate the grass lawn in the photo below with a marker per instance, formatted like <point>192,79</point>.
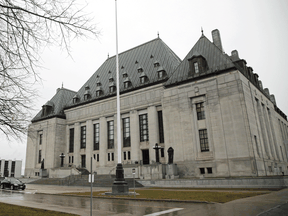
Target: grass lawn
<point>181,195</point>
<point>14,210</point>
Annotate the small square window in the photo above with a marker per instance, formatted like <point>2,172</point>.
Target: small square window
<point>270,168</point>
<point>202,170</point>
<point>209,170</point>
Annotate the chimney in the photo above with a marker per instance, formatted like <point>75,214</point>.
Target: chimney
<point>217,39</point>
<point>234,55</point>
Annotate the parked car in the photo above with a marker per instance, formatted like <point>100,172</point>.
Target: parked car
<point>12,183</point>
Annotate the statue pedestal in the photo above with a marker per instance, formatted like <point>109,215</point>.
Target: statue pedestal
<point>171,171</point>
<point>43,173</point>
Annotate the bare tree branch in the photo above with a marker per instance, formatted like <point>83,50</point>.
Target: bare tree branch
<point>26,27</point>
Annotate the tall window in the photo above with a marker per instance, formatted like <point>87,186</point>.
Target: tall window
<point>126,132</point>
<point>143,120</point>
<point>40,139</point>
<point>110,126</point>
<point>196,67</point>
<point>200,111</point>
<point>83,137</point>
<point>71,140</point>
<point>13,169</point>
<point>83,161</point>
<point>204,145</point>
<point>96,136</point>
<point>39,156</point>
<point>161,129</point>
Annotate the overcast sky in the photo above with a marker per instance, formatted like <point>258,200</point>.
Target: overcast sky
<point>258,29</point>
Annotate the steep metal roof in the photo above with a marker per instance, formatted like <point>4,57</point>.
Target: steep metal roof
<point>133,64</point>
<point>59,100</point>
<point>215,58</point>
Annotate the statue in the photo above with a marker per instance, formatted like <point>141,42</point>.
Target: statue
<point>42,164</point>
<point>170,155</point>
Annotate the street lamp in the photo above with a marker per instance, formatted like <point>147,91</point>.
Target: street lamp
<point>156,147</point>
<point>62,156</point>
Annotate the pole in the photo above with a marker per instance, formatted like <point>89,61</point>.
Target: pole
<point>91,189</point>
<point>118,92</point>
<point>134,183</point>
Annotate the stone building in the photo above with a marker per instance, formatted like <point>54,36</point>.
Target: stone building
<point>211,108</point>
<point>10,168</point>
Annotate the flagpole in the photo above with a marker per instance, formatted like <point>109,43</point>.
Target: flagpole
<point>120,186</point>
<point>118,92</point>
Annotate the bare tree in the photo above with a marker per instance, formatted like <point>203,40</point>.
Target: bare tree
<point>26,27</point>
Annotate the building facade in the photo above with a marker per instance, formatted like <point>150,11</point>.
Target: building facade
<point>210,107</point>
<point>10,168</point>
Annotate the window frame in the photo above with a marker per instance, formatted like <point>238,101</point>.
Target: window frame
<point>110,135</point>
<point>96,136</point>
<point>203,138</point>
<point>83,134</point>
<point>126,132</point>
<point>143,125</point>
<point>200,111</point>
<point>71,140</point>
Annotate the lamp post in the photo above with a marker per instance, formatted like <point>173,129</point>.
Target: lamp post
<point>62,156</point>
<point>133,171</point>
<point>156,147</point>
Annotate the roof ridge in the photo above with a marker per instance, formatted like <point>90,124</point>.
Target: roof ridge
<point>135,48</point>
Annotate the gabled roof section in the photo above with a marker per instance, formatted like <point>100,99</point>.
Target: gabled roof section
<point>215,58</point>
<point>142,56</point>
<point>58,102</point>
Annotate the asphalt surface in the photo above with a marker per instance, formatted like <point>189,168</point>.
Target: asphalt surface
<point>47,197</point>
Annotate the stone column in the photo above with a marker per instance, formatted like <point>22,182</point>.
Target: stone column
<point>77,144</point>
<point>135,136</point>
<point>103,142</point>
<point>153,131</point>
<point>89,144</point>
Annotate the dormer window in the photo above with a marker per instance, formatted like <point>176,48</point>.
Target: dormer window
<point>112,89</point>
<point>125,75</point>
<point>126,85</point>
<point>196,67</point>
<point>76,99</point>
<point>98,93</point>
<point>111,79</point>
<point>140,69</point>
<point>47,109</point>
<point>156,64</point>
<point>161,73</point>
<point>143,78</point>
<point>98,83</point>
<point>87,95</point>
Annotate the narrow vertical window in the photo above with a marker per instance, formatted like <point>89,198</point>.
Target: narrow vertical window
<point>83,137</point>
<point>72,159</point>
<point>69,159</point>
<point>13,169</point>
<point>200,111</point>
<point>83,161</point>
<point>161,128</point>
<point>126,132</point>
<point>40,139</point>
<point>110,126</point>
<point>196,68</point>
<point>124,155</point>
<point>112,156</point>
<point>71,140</point>
<point>96,136</point>
<point>162,152</point>
<point>39,156</point>
<point>108,156</point>
<point>143,120</point>
<point>97,157</point>
<point>204,145</point>
<point>129,155</point>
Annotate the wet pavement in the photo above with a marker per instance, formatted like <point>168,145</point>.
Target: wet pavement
<point>43,196</point>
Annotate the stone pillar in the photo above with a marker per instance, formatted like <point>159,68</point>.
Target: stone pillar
<point>77,159</point>
<point>9,167</point>
<point>135,136</point>
<point>89,144</point>
<point>153,131</point>
<point>2,167</point>
<point>103,142</point>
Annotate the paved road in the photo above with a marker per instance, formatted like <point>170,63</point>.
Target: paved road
<point>265,205</point>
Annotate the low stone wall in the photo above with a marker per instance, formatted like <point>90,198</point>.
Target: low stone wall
<point>260,182</point>
<point>62,172</point>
